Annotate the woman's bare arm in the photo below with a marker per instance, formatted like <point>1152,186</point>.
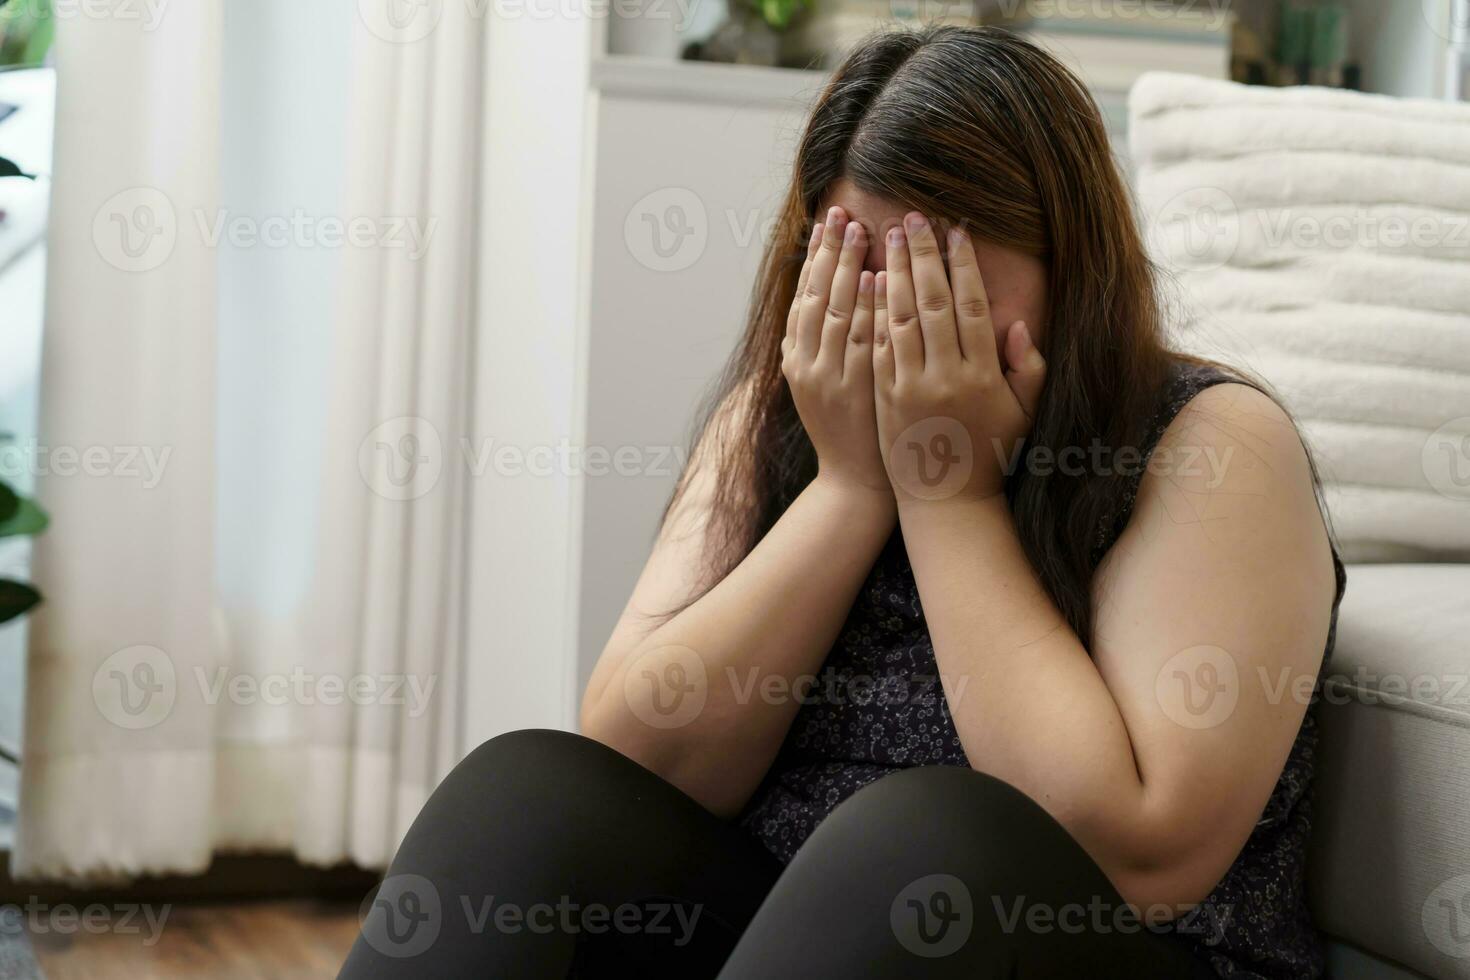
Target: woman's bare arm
<point>705,698</point>
<point>1159,749</point>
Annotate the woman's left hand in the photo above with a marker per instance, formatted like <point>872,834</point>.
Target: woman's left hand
<point>950,420</point>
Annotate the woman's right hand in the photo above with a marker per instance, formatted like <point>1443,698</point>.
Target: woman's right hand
<point>827,356</point>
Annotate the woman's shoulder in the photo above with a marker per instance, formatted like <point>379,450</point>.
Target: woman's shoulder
<point>1188,378</point>
<point>1227,448</point>
<point>1211,410</point>
<point>1198,393</point>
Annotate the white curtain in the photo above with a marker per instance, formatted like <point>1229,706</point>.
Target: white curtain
<point>258,324</point>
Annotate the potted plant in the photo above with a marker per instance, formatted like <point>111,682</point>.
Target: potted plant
<point>26,32</point>
<point>754,33</point>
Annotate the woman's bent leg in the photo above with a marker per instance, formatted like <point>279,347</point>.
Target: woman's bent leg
<point>543,850</point>
<point>945,872</point>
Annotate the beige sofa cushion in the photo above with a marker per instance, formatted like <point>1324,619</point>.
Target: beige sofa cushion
<point>1390,862</point>
<point>1321,239</point>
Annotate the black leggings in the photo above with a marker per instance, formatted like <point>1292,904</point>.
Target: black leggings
<point>546,854</point>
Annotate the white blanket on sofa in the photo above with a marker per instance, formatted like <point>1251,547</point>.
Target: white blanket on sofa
<point>1321,239</point>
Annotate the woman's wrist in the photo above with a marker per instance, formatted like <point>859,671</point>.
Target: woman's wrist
<point>959,511</point>
<point>845,491</point>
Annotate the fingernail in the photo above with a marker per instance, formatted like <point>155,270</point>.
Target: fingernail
<point>865,282</point>
<point>914,221</point>
<point>851,235</point>
<point>956,235</point>
<point>833,213</point>
<point>895,236</point>
<point>816,235</point>
<point>1025,333</point>
<point>880,284</point>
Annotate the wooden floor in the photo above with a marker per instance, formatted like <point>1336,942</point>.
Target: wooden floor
<point>292,939</point>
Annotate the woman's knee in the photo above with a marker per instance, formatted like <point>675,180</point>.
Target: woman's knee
<point>935,798</point>
<point>952,819</point>
<point>935,841</point>
<point>531,768</point>
<point>533,791</point>
<point>537,747</point>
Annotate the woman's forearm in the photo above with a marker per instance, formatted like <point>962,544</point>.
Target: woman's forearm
<point>1033,710</point>
<point>1029,706</point>
<point>705,699</point>
<point>1159,747</point>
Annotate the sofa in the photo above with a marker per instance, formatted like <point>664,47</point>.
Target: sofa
<point>1321,240</point>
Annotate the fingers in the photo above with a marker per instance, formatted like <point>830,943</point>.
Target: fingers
<point>814,241</point>
<point>883,365</point>
<point>841,303</point>
<point>819,285</point>
<point>1027,373</point>
<point>974,327</point>
<point>858,352</point>
<point>931,291</point>
<point>903,313</point>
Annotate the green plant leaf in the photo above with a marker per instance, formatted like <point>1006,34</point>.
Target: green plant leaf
<point>16,599</point>
<point>780,13</point>
<point>28,518</point>
<point>40,40</point>
<point>9,502</point>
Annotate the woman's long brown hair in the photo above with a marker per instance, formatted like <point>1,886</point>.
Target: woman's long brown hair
<point>972,126</point>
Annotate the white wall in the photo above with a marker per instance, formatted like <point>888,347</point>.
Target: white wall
<point>520,630</point>
<point>1401,45</point>
<point>699,161</point>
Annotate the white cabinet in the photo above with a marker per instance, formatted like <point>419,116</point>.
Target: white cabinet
<point>689,162</point>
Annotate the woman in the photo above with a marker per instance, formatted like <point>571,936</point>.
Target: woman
<point>981,631</point>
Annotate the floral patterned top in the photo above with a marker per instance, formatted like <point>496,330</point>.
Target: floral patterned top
<point>882,709</point>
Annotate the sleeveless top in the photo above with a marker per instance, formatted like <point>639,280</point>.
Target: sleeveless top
<point>891,714</point>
